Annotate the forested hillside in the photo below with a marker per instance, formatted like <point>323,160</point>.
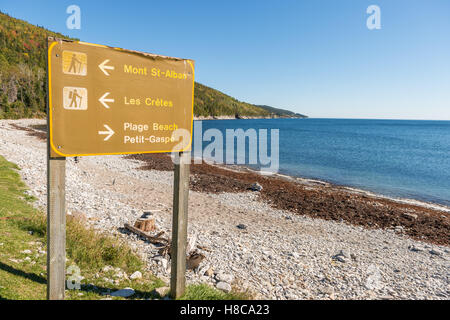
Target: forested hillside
<point>22,68</point>
<point>211,102</point>
<point>23,78</point>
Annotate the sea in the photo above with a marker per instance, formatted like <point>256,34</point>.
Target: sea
<point>406,159</point>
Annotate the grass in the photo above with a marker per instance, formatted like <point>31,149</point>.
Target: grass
<point>205,292</point>
<point>99,258</point>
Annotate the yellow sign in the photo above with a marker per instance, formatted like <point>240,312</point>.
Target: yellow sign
<point>105,100</point>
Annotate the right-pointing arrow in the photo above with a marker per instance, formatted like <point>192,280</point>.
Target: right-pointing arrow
<point>110,132</point>
<point>103,100</point>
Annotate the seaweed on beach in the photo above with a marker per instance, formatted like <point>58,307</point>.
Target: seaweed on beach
<point>324,201</point>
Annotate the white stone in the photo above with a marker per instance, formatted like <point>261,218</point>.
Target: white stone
<point>136,275</point>
<point>107,268</point>
<point>163,291</point>
<point>224,277</point>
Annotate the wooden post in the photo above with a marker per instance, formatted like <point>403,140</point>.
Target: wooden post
<point>179,225</point>
<point>56,217</point>
<point>56,228</point>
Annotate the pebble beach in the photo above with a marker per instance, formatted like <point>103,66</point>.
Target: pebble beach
<point>250,240</point>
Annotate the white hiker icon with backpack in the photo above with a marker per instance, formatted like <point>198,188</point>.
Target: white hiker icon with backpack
<point>75,98</point>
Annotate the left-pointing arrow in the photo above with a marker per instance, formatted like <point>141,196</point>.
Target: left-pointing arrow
<point>109,133</point>
<point>103,66</point>
<point>103,100</point>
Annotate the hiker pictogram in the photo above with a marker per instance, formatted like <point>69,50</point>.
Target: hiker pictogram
<point>75,98</point>
<point>74,63</point>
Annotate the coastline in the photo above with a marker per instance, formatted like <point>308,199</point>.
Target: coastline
<point>201,118</point>
<point>318,199</point>
<point>258,239</point>
<point>421,220</point>
<point>314,181</point>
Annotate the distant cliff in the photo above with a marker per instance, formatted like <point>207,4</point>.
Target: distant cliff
<point>281,113</point>
<point>213,104</point>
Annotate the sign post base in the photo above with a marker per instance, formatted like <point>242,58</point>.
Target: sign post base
<point>56,228</point>
<point>179,225</point>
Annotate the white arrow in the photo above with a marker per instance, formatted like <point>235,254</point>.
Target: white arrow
<point>103,100</point>
<point>110,132</point>
<point>104,67</point>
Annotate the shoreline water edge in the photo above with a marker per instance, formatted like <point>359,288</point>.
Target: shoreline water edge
<point>317,199</point>
<point>420,220</point>
<point>315,181</point>
<point>292,177</point>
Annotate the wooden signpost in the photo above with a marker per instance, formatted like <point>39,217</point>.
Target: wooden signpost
<point>104,101</point>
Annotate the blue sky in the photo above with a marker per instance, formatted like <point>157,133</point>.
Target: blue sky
<point>313,57</point>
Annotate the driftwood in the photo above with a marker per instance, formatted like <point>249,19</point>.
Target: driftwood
<point>203,248</point>
<point>166,250</point>
<point>153,239</point>
<point>145,224</point>
<point>194,259</point>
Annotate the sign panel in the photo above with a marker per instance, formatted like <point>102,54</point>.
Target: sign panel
<point>105,100</point>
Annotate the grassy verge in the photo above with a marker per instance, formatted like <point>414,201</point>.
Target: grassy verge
<point>205,292</point>
<point>104,262</point>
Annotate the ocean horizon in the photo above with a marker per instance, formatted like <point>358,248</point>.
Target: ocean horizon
<point>408,159</point>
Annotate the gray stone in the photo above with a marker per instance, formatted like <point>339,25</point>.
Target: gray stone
<point>410,215</point>
<point>436,252</point>
<point>342,256</point>
<point>226,287</point>
<point>415,248</point>
<point>340,259</point>
<point>398,229</point>
<point>256,187</point>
